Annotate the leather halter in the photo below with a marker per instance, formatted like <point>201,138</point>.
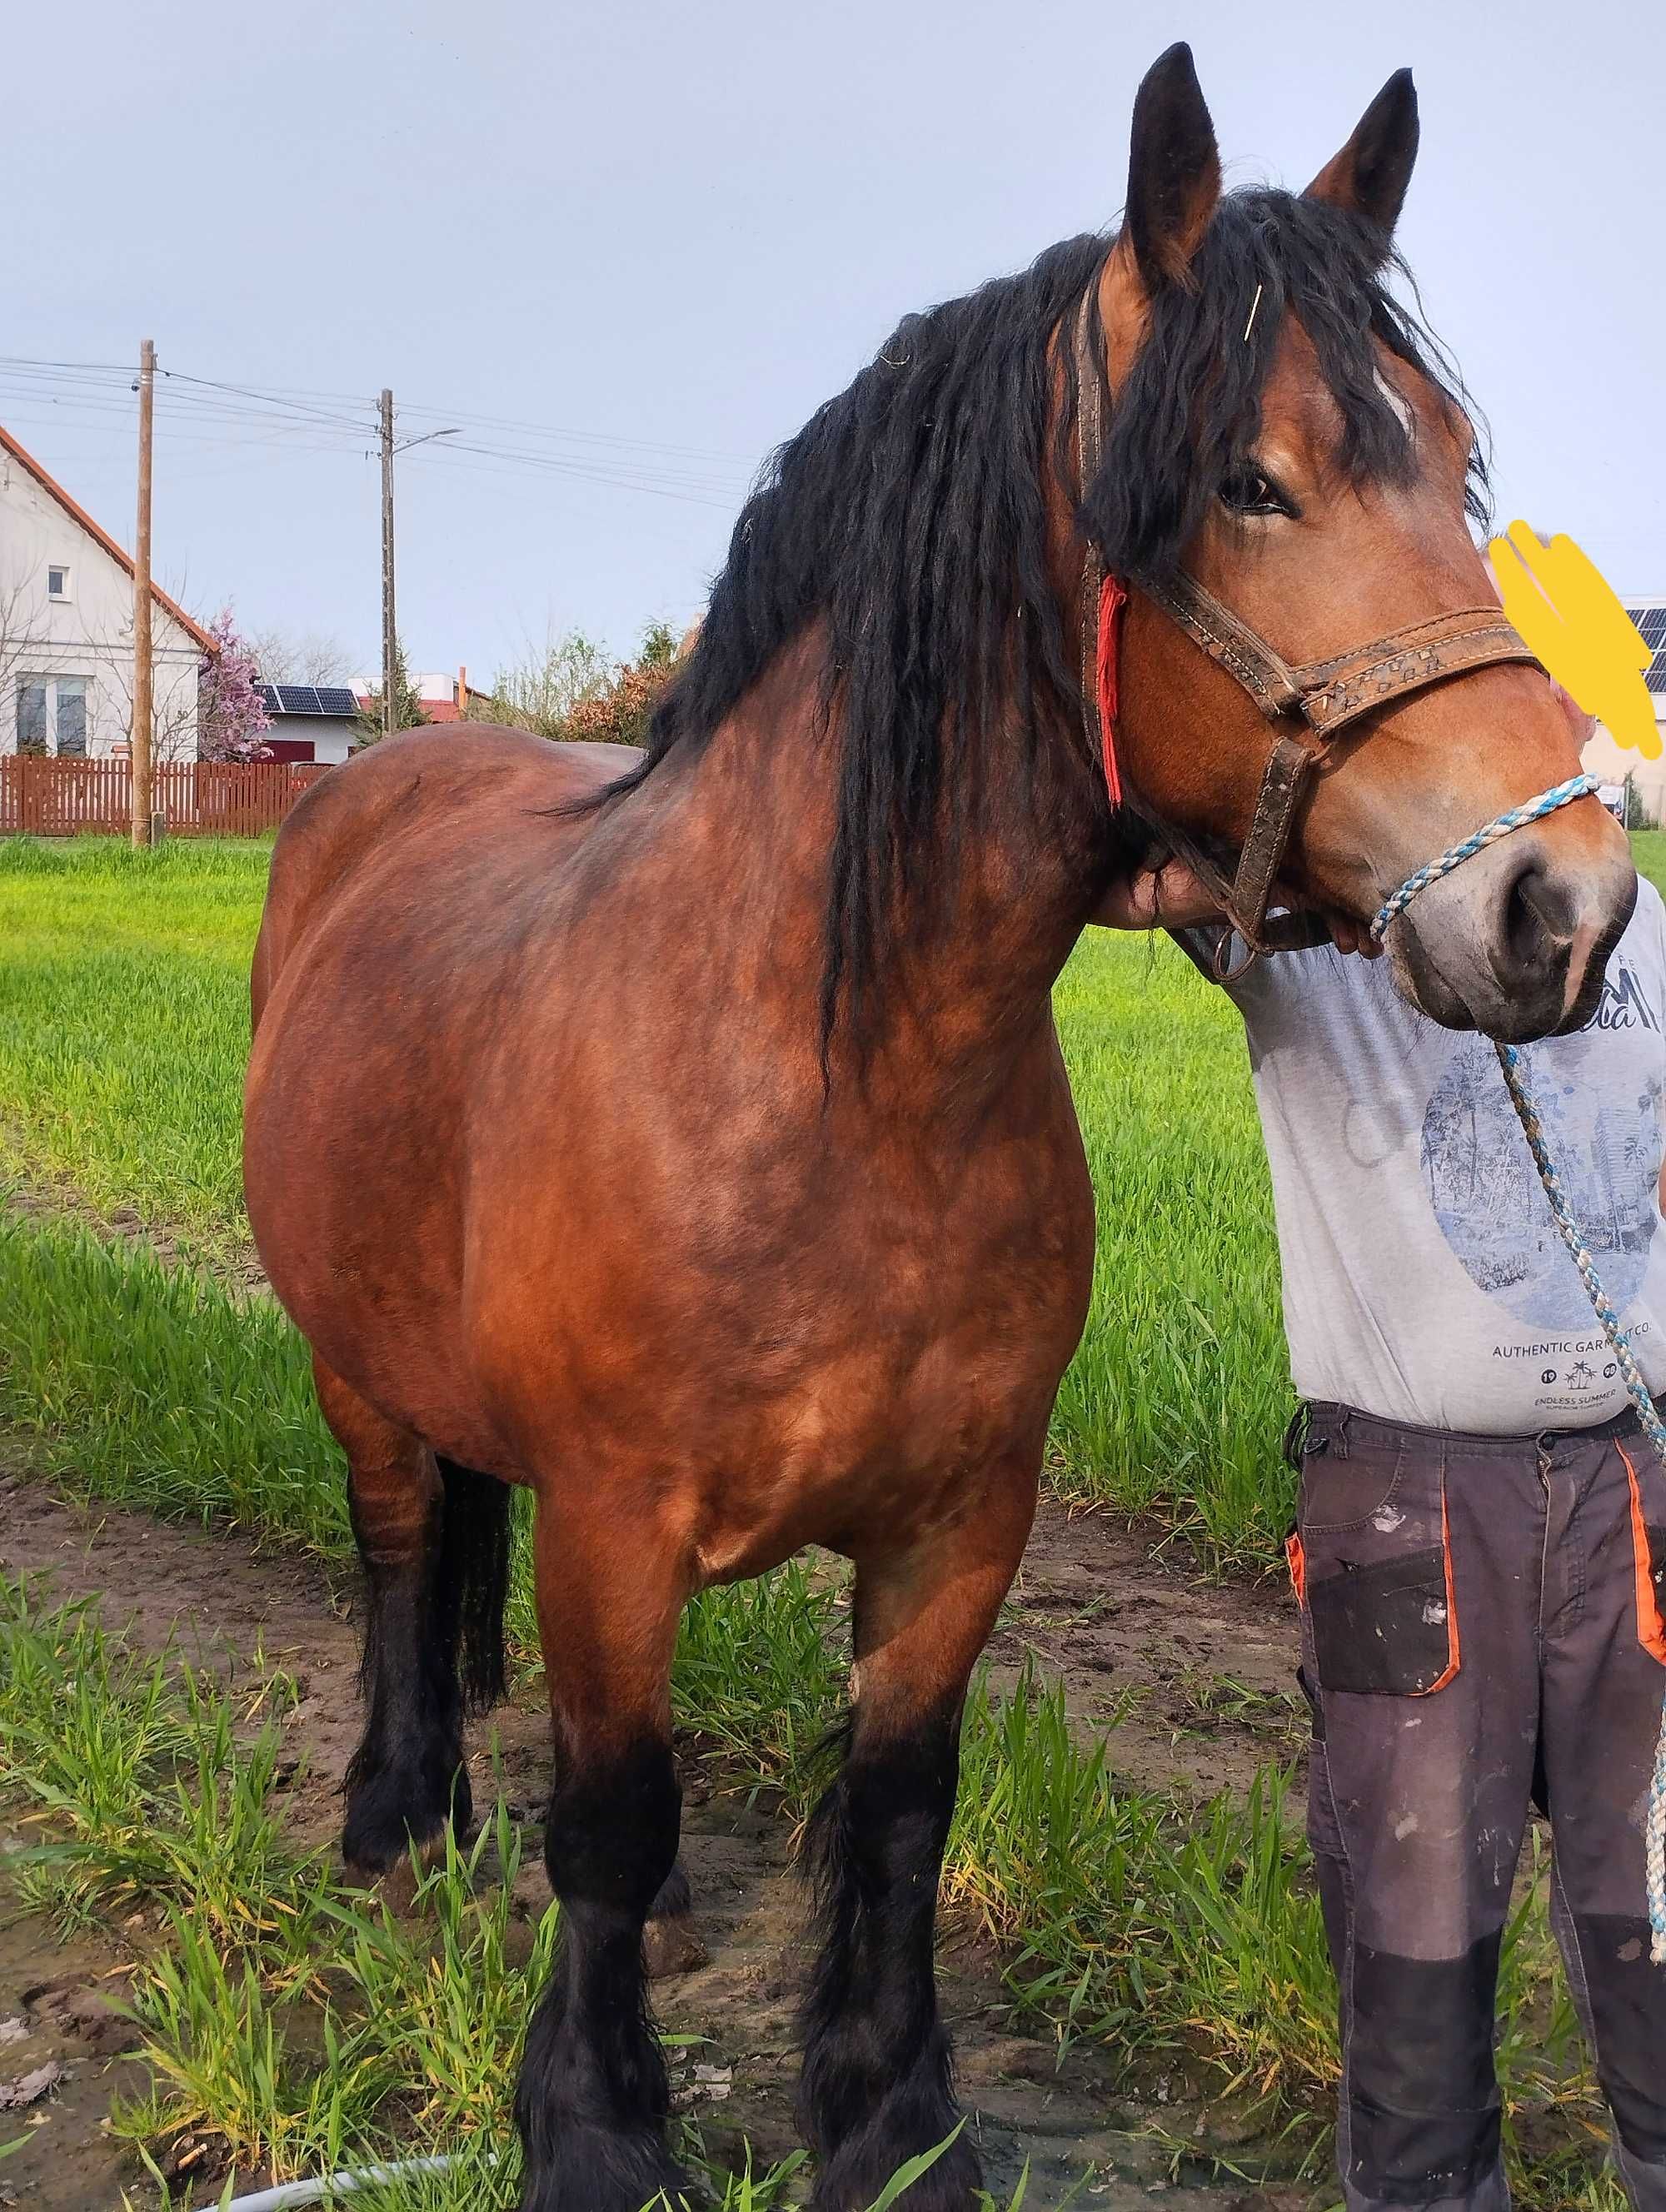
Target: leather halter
<point>1319,698</point>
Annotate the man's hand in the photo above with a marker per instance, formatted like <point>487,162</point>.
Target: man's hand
<point>1351,936</point>
<point>1168,897</point>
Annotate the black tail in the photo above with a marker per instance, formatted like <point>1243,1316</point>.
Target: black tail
<point>473,1579</point>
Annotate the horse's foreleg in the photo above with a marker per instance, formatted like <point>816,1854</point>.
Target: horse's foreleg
<point>433,1547</point>
<point>593,2096</point>
<point>878,2080</point>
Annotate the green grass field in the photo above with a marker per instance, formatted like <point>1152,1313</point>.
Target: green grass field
<point>123,1021</point>
<point>123,1027</point>
<point>306,2026</point>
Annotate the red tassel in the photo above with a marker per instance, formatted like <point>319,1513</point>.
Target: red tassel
<point>1112,598</point>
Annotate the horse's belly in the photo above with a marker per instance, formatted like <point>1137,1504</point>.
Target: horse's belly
<point>892,1428</point>
<point>353,1206</point>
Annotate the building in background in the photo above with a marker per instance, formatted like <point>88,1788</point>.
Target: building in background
<point>1613,762</point>
<point>309,721</point>
<point>66,629</point>
<point>445,698</point>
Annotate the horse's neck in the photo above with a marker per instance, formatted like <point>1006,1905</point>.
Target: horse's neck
<point>964,984</point>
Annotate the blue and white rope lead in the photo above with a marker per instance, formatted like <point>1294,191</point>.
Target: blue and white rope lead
<point>1648,1420</point>
<point>1518,817</point>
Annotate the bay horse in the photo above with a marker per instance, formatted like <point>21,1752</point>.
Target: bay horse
<point>685,1137</point>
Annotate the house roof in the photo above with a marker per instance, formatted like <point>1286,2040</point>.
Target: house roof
<point>438,707</point>
<point>78,513</point>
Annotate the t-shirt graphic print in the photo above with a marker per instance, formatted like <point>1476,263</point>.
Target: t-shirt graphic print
<point>1423,1277</point>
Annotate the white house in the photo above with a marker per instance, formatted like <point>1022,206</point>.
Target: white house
<point>310,721</point>
<point>1613,762</point>
<point>66,629</point>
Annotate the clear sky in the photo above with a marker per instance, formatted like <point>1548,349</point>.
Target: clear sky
<point>659,236</point>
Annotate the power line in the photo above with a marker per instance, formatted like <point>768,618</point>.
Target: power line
<point>489,460</point>
<point>270,398</point>
<point>90,380</point>
<point>104,386</point>
<point>589,437</point>
<point>277,438</point>
<point>185,410</point>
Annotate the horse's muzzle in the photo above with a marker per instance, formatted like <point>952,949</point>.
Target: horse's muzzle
<point>1515,943</point>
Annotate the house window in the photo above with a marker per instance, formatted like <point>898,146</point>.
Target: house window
<point>52,715</point>
<point>57,581</point>
<point>32,718</point>
<point>71,730</point>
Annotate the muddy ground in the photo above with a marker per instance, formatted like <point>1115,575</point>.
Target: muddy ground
<point>1199,1677</point>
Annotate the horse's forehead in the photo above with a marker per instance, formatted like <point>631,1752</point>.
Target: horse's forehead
<point>1296,398</point>
<point>1299,409</point>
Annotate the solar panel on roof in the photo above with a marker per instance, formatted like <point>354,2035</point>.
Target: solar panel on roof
<point>298,698</point>
<point>336,699</point>
<point>1650,619</point>
<point>269,697</point>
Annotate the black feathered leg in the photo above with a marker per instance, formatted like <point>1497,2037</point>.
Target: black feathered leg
<point>878,2087</point>
<point>433,1539</point>
<point>594,2098</point>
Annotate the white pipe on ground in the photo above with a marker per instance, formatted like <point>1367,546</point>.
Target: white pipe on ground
<point>289,2193</point>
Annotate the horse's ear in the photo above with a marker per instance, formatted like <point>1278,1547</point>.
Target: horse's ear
<point>1174,170</point>
<point>1369,176</point>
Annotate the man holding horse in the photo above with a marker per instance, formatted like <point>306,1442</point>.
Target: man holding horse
<point>1479,1546</point>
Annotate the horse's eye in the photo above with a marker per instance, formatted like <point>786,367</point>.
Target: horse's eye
<point>1246,490</point>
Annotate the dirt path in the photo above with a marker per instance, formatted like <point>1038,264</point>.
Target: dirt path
<point>1200,1675</point>
<point>1198,1679</point>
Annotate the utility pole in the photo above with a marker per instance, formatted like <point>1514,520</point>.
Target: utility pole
<point>390,626</point>
<point>143,784</point>
<point>390,630</point>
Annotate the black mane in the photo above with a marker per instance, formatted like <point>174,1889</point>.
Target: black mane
<point>908,515</point>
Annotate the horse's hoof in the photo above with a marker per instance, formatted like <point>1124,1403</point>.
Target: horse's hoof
<point>857,2174</point>
<point>390,1813</point>
<point>593,2170</point>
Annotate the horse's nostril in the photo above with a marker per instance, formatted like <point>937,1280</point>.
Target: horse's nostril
<point>1539,912</point>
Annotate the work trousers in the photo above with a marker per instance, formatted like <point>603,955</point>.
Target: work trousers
<point>1482,1631</point>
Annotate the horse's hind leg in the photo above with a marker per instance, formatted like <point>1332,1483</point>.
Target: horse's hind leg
<point>593,2097</point>
<point>433,1541</point>
<point>878,2083</point>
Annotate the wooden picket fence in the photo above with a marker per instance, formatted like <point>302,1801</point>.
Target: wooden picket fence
<point>50,797</point>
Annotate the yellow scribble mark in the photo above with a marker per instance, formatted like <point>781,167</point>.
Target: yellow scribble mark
<point>1568,613</point>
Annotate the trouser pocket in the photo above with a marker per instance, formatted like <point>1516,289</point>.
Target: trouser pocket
<point>1648,1484</point>
<point>1379,1591</point>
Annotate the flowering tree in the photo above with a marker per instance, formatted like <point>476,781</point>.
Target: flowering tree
<point>231,715</point>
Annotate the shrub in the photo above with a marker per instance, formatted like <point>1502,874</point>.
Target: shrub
<point>573,692</point>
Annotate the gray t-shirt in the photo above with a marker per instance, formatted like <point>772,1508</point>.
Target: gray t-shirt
<point>1424,1279</point>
